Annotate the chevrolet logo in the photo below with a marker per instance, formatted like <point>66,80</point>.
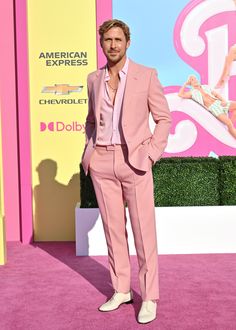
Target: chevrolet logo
<point>62,89</point>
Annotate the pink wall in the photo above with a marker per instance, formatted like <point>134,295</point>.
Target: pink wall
<point>104,12</point>
<point>24,120</point>
<point>9,121</point>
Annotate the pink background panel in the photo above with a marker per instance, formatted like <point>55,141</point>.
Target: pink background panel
<point>205,142</point>
<point>9,121</point>
<point>104,12</point>
<point>24,120</point>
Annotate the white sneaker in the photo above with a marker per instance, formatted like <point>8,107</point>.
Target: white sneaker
<point>148,311</point>
<point>116,300</point>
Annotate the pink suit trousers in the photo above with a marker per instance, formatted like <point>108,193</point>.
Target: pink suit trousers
<point>117,183</point>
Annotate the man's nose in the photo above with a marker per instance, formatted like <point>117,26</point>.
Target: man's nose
<point>113,44</point>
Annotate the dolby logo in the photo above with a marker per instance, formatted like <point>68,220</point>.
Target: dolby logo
<point>60,126</point>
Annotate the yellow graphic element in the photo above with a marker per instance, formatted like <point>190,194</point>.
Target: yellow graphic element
<point>56,155</point>
<point>62,89</point>
<point>2,227</point>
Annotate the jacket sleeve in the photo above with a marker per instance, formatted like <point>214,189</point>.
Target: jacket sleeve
<point>159,109</point>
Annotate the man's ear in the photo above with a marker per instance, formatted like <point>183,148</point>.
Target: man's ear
<point>128,44</point>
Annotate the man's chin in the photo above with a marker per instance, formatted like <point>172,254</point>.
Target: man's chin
<point>114,59</point>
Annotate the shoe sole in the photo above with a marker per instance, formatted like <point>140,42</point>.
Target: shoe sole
<point>110,310</point>
<point>147,322</point>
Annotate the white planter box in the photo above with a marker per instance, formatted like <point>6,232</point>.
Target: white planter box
<point>180,230</point>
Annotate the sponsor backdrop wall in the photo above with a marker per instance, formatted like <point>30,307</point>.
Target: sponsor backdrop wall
<point>180,38</point>
<point>62,51</point>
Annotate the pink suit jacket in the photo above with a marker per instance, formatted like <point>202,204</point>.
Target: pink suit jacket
<point>143,94</point>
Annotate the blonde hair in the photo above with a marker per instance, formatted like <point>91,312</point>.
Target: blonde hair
<point>191,76</point>
<point>107,25</point>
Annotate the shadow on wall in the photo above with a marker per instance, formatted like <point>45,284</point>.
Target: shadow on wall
<point>54,213</point>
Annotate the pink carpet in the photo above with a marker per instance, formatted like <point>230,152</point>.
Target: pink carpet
<point>46,286</point>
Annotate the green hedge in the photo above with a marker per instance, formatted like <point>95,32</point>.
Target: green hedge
<point>184,181</point>
<point>228,180</point>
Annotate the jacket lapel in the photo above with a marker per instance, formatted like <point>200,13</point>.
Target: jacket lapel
<point>131,82</point>
<point>98,90</point>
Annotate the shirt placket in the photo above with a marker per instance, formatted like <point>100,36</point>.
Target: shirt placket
<point>115,116</point>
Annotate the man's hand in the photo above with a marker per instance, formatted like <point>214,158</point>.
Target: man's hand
<point>183,94</point>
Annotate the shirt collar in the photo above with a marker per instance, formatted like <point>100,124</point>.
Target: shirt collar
<point>124,70</point>
<point>125,67</point>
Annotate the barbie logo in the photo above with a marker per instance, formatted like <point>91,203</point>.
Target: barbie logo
<point>204,35</point>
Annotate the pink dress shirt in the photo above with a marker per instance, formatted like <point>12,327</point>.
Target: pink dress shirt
<point>110,130</point>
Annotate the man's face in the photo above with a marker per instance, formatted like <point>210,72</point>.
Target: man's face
<point>114,45</point>
<point>193,81</point>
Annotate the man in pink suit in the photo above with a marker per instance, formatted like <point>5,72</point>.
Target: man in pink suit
<point>119,153</point>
